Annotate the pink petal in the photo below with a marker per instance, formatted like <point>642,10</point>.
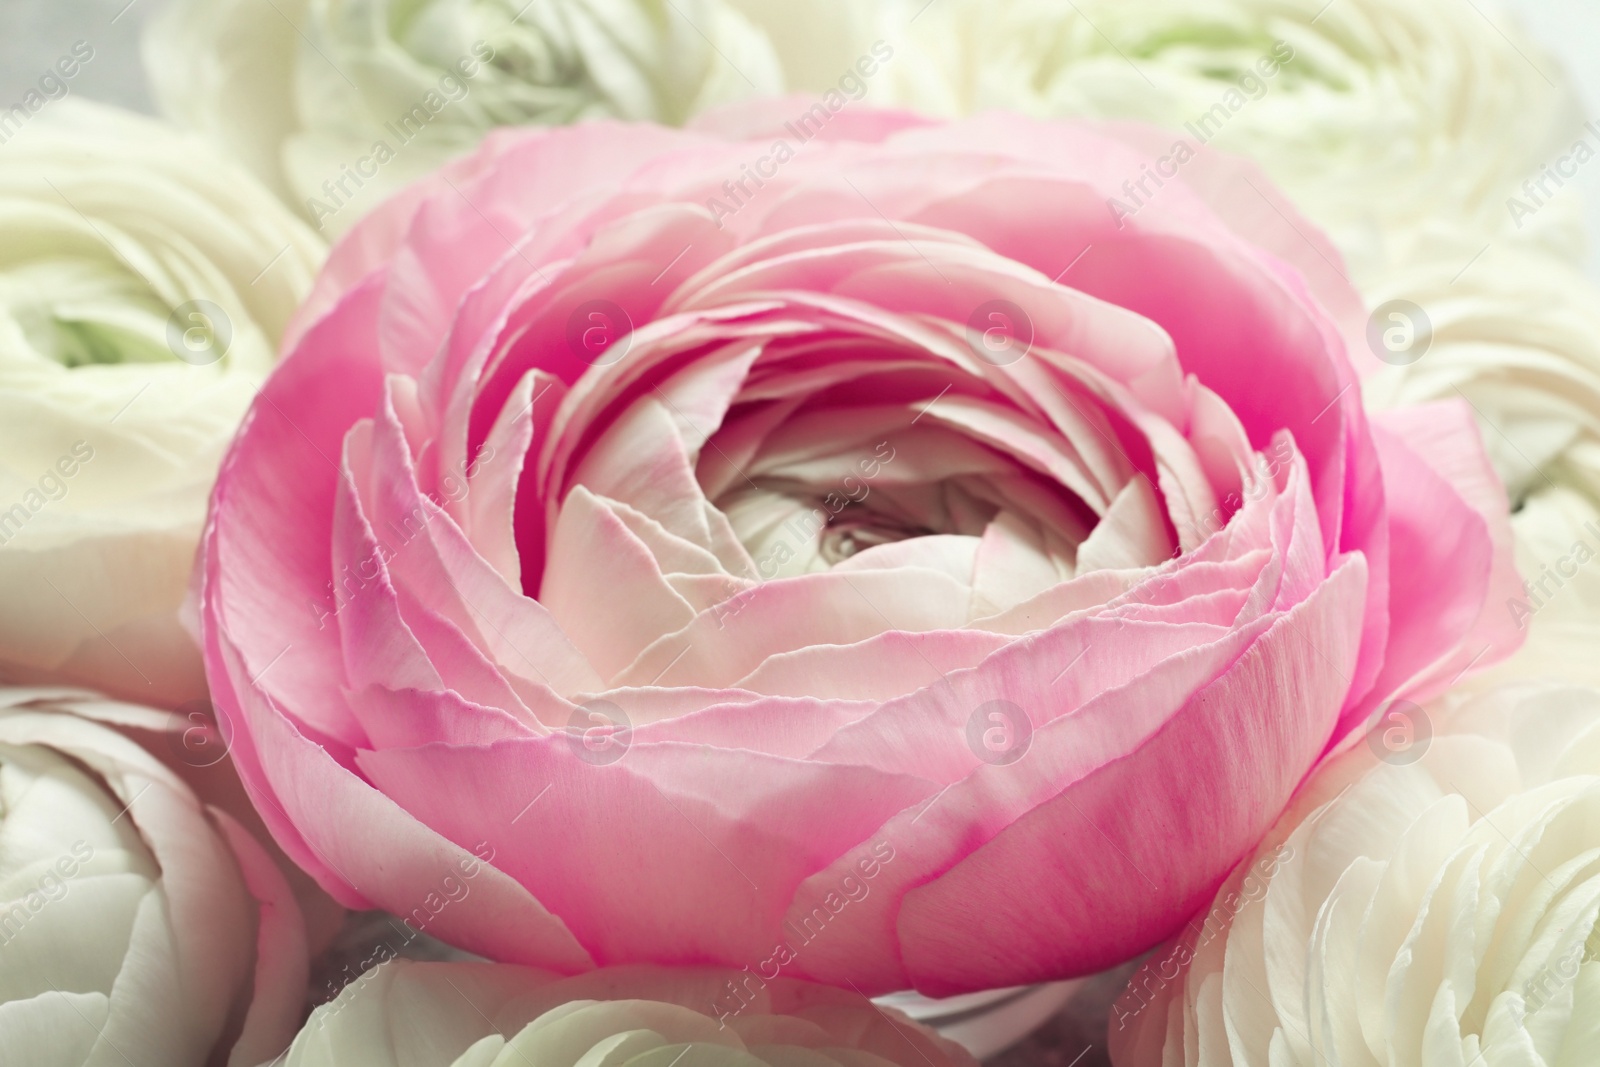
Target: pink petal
<point>274,500</point>
<point>374,854</point>
<point>1072,797</point>
<point>722,645</point>
<point>610,631</point>
<point>636,821</point>
<point>1453,571</point>
<point>879,668</point>
<point>283,964</point>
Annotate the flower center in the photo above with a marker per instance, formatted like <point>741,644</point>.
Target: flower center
<point>538,63</point>
<point>857,528</point>
<point>832,484</point>
<point>792,529</point>
<point>79,314</point>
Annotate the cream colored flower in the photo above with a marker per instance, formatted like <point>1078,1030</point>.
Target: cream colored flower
<point>130,915</point>
<point>1381,118</point>
<point>1517,335</point>
<point>1436,906</point>
<point>337,103</point>
<point>405,1014</point>
<point>144,283</point>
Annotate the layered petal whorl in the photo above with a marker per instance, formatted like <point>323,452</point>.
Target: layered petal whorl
<point>1432,900</point>
<point>136,924</point>
<point>144,287</point>
<point>402,1013</point>
<point>841,554</point>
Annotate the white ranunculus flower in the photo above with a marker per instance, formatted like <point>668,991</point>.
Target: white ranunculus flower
<point>818,42</point>
<point>136,926</point>
<point>1375,115</point>
<point>144,283</point>
<point>1517,335</point>
<point>1435,908</point>
<point>406,1014</point>
<point>337,103</point>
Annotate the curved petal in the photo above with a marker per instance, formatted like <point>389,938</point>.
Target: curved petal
<point>283,966</point>
<point>1454,579</point>
<point>655,805</point>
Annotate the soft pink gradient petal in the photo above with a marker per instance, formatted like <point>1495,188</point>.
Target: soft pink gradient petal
<point>1130,827</point>
<point>880,668</point>
<point>660,805</point>
<point>1268,219</point>
<point>491,509</point>
<point>385,858</point>
<point>283,963</point>
<point>402,718</point>
<point>274,499</point>
<point>589,539</point>
<point>720,646</point>
<point>1146,729</point>
<point>792,727</point>
<point>464,194</point>
<point>1453,573</point>
<point>435,564</point>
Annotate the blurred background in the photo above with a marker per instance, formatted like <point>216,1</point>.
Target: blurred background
<point>33,33</point>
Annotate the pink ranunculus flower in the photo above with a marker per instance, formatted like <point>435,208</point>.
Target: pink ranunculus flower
<point>847,547</point>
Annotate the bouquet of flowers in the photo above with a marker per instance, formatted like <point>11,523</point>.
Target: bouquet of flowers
<point>602,533</point>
